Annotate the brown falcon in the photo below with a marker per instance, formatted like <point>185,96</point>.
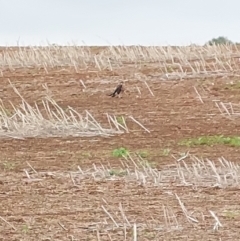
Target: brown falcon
<point>118,90</point>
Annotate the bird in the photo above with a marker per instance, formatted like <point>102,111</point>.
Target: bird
<point>118,90</point>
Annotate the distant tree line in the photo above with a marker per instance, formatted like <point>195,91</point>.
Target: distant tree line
<point>219,40</point>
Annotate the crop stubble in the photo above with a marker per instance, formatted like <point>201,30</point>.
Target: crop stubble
<point>57,204</point>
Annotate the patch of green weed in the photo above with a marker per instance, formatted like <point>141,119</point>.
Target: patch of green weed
<point>166,152</point>
<point>120,152</point>
<point>120,120</point>
<point>8,166</point>
<point>84,155</point>
<point>231,214</point>
<point>169,69</point>
<point>149,234</point>
<point>117,172</point>
<point>233,86</point>
<point>212,140</point>
<point>146,163</point>
<point>143,154</point>
<point>25,228</point>
<point>6,112</point>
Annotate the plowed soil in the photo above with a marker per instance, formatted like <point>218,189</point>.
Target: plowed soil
<point>54,203</point>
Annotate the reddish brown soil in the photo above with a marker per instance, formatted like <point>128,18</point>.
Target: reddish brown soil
<point>53,208</point>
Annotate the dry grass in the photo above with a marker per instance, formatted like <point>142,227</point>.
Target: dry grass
<point>228,110</point>
<point>52,121</point>
<point>169,62</point>
<point>190,171</point>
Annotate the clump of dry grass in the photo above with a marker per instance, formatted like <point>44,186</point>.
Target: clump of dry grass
<point>196,172</point>
<point>51,121</point>
<point>228,109</point>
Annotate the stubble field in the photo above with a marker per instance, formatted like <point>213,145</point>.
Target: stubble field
<point>158,163</point>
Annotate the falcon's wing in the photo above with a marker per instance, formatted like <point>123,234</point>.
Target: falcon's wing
<point>117,90</point>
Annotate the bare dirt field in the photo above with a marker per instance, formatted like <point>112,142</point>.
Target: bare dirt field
<point>93,167</point>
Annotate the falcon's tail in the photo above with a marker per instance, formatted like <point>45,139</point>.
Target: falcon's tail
<point>111,95</point>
